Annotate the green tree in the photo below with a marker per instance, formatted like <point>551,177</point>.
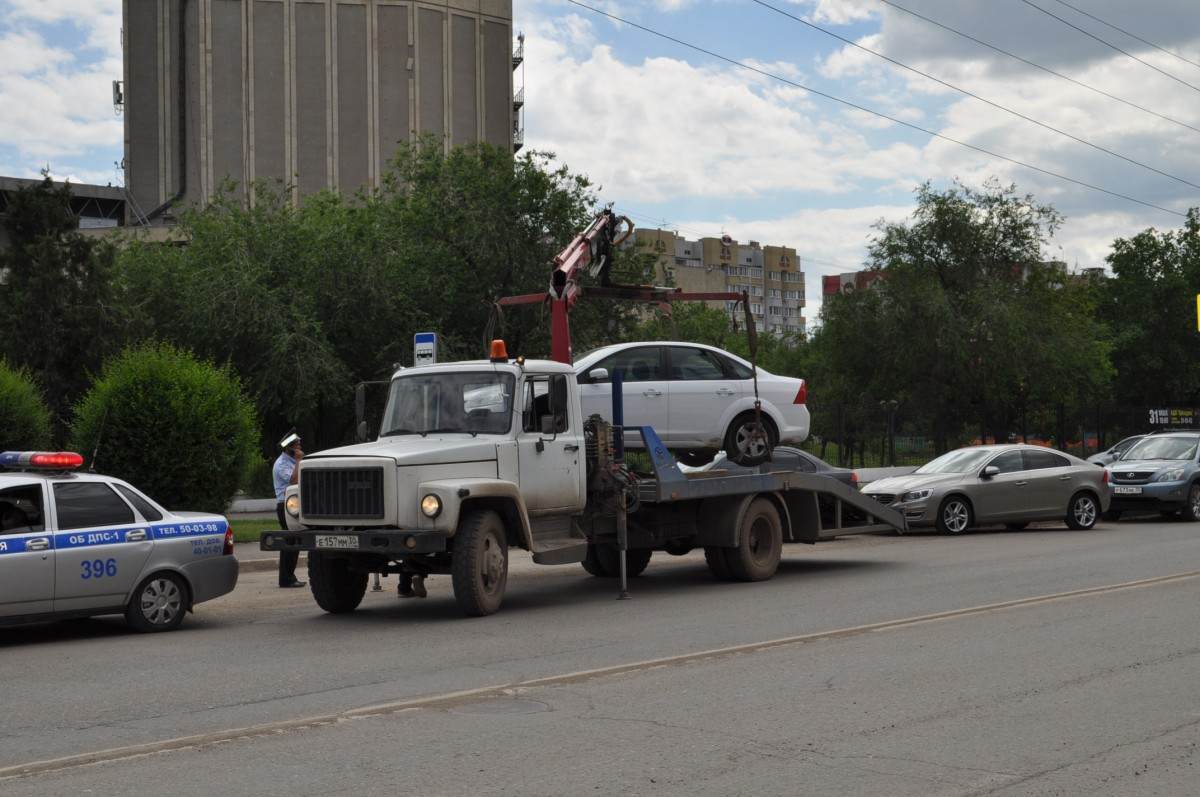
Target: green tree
<point>24,416</point>
<point>56,288</point>
<point>177,427</point>
<point>969,323</point>
<point>1150,304</point>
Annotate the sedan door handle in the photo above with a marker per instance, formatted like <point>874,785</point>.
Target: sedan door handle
<point>1065,478</point>
<point>724,391</point>
<point>37,544</point>
<point>137,535</point>
<point>570,447</point>
<point>651,393</point>
<point>1020,484</point>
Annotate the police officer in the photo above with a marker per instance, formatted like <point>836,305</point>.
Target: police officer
<point>285,473</point>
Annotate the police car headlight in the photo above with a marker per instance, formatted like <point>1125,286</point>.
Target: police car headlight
<point>292,505</point>
<point>431,506</point>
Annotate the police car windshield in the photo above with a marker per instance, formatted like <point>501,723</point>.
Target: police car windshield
<point>478,402</point>
<point>1163,448</point>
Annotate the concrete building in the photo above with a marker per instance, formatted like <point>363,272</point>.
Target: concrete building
<point>770,274</point>
<point>315,93</point>
<point>97,207</point>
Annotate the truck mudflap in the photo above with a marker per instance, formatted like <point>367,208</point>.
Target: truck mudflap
<point>396,543</point>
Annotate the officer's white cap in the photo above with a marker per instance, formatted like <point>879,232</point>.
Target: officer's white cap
<point>287,441</point>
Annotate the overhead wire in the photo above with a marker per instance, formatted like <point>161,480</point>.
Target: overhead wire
<point>1130,34</point>
<point>973,95</point>
<point>1036,65</point>
<point>873,112</point>
<point>1109,44</point>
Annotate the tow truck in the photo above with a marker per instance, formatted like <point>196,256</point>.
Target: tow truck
<point>477,458</point>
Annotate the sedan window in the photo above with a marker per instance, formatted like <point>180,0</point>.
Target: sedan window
<point>1035,460</point>
<point>87,504</point>
<point>694,364</point>
<point>149,513</point>
<point>1009,462</point>
<point>638,365</point>
<point>735,368</point>
<point>21,510</point>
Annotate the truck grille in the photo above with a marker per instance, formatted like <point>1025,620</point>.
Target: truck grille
<point>355,493</point>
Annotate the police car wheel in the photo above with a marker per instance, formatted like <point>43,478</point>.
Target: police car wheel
<point>158,604</point>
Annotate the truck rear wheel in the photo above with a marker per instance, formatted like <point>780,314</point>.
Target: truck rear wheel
<point>479,567</point>
<point>715,558</point>
<point>760,543</point>
<point>336,587</point>
<point>604,561</point>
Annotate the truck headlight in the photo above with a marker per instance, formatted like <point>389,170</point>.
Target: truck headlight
<point>1172,475</point>
<point>292,505</point>
<point>431,506</point>
<point>916,495</point>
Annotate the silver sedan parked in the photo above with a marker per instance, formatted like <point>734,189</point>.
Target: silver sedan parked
<point>1009,484</point>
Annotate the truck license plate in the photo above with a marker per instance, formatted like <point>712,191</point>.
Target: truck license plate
<point>1127,490</point>
<point>337,541</point>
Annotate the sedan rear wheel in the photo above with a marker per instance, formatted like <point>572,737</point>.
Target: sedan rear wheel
<point>954,515</point>
<point>158,604</point>
<point>1082,512</point>
<point>745,444</point>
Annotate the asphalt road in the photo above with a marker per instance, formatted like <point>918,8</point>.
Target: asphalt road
<point>1089,693</point>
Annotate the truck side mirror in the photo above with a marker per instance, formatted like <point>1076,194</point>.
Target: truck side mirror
<point>362,431</point>
<point>598,374</point>
<point>547,425</point>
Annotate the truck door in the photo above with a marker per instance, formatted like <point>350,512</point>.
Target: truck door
<point>550,463</point>
<point>100,549</point>
<point>26,552</point>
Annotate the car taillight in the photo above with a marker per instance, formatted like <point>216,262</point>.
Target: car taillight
<point>802,393</point>
<point>854,477</point>
<point>228,542</point>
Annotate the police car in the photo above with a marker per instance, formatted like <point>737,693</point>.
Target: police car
<point>80,544</point>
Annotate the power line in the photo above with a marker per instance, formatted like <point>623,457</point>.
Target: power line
<point>873,112</point>
<point>1048,70</point>
<point>973,95</point>
<point>1078,10</point>
<point>1091,35</point>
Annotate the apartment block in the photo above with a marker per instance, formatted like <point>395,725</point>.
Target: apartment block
<point>770,274</point>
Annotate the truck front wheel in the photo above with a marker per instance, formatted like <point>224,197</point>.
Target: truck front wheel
<point>479,567</point>
<point>337,588</point>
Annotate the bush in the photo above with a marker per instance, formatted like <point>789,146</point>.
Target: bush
<point>174,426</point>
<point>258,481</point>
<point>24,417</point>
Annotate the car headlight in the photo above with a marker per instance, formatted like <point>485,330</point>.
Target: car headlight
<point>292,505</point>
<point>916,495</point>
<point>1172,475</point>
<point>431,506</point>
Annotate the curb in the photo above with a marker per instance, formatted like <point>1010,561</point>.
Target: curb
<point>262,565</point>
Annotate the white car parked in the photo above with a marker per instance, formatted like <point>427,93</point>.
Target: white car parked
<point>696,397</point>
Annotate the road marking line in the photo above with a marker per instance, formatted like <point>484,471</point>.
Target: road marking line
<point>446,699</point>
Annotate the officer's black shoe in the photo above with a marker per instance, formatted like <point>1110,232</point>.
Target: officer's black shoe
<point>291,585</point>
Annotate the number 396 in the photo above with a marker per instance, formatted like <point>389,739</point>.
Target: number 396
<point>98,568</point>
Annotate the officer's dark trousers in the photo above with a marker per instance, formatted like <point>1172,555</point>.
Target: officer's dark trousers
<point>287,559</point>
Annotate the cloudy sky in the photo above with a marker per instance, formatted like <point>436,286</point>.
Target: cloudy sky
<point>671,134</point>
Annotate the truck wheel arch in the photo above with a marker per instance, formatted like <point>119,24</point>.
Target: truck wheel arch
<point>516,524</point>
<point>726,516</point>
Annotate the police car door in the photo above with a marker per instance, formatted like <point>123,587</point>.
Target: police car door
<point>100,548</point>
<point>26,553</point>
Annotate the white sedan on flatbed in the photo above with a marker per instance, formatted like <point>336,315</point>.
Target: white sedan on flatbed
<point>696,397</point>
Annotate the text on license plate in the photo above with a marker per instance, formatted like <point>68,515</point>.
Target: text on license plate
<point>1127,490</point>
<point>337,541</point>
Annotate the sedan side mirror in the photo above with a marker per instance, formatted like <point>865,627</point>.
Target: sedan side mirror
<point>989,472</point>
<point>598,374</point>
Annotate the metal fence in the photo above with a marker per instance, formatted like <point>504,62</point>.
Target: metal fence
<point>871,434</point>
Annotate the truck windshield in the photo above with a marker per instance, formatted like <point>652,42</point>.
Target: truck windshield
<point>469,402</point>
